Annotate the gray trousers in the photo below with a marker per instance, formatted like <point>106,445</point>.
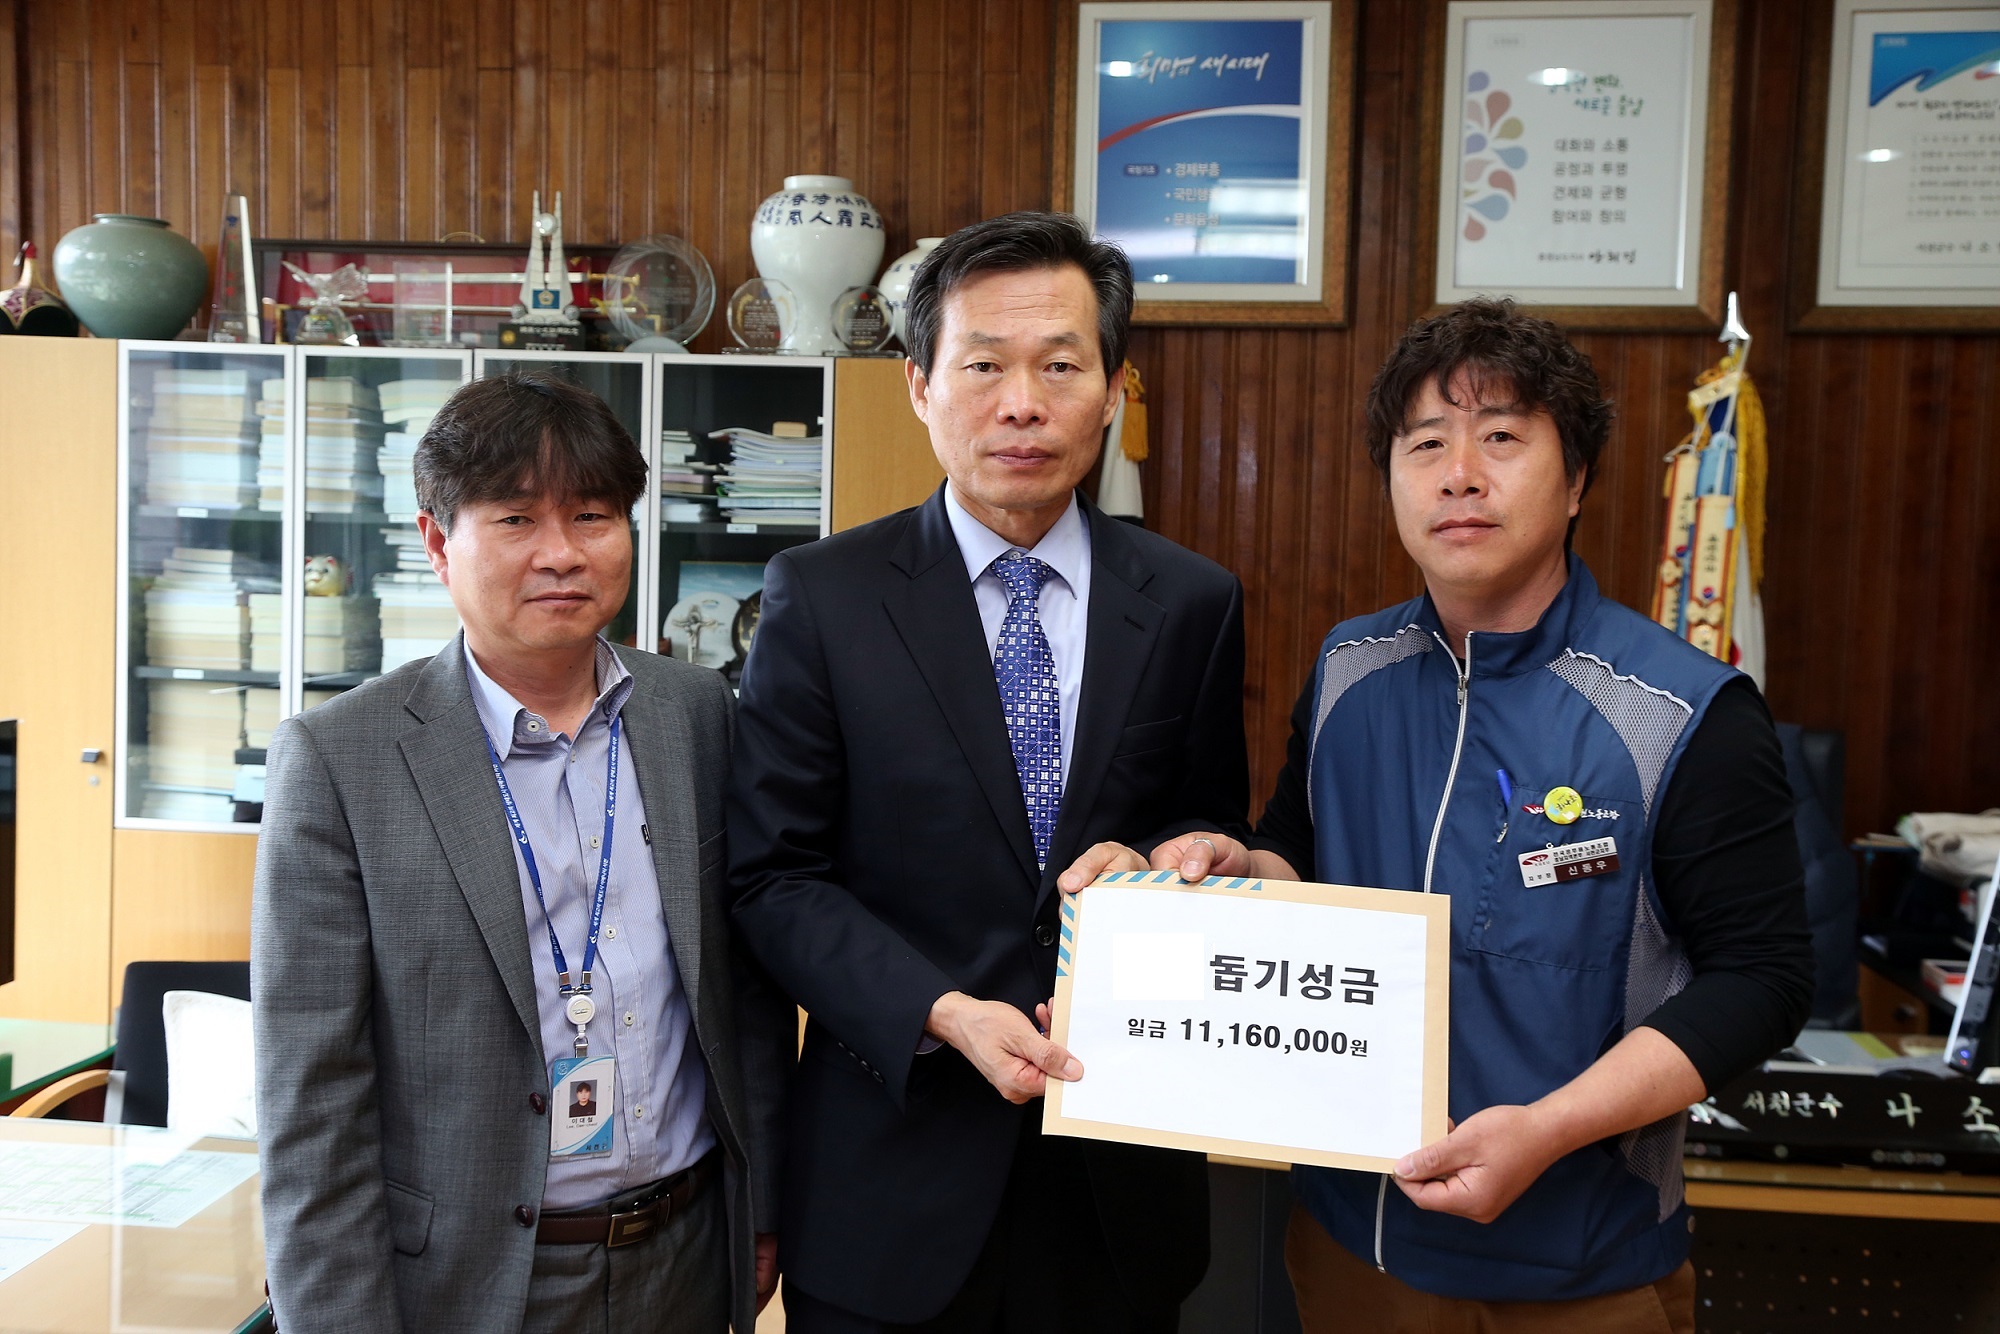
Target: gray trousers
<point>674,1282</point>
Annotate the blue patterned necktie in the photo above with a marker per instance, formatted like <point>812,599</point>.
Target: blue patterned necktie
<point>1026,673</point>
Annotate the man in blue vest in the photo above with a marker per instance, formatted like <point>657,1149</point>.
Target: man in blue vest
<point>1471,743</point>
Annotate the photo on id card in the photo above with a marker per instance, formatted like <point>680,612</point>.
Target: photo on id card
<point>583,1098</point>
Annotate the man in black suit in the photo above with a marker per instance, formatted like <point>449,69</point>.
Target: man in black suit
<point>943,708</point>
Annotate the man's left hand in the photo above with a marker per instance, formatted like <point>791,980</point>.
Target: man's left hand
<point>1482,1166</point>
<point>767,1268</point>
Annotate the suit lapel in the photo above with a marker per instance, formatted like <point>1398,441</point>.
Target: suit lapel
<point>938,620</point>
<point>454,777</point>
<point>1120,629</point>
<point>658,725</point>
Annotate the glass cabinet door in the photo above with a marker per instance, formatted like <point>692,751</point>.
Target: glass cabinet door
<point>742,467</point>
<point>369,600</point>
<point>620,380</point>
<point>201,544</point>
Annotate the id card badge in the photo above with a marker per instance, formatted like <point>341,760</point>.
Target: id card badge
<point>1562,863</point>
<point>584,1094</point>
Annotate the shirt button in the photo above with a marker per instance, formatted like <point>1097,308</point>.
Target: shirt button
<point>628,1019</point>
<point>638,1113</point>
<point>538,1102</point>
<point>524,1215</point>
<point>610,932</point>
<point>595,839</point>
<point>1045,934</point>
<point>533,726</point>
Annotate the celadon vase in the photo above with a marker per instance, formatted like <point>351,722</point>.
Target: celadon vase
<point>130,277</point>
<point>818,236</point>
<point>896,280</point>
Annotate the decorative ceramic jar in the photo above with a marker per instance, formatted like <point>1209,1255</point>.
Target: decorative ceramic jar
<point>896,278</point>
<point>130,277</point>
<point>29,307</point>
<point>818,236</point>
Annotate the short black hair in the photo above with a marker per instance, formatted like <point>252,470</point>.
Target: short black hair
<point>526,433</point>
<point>1015,241</point>
<point>1501,346</point>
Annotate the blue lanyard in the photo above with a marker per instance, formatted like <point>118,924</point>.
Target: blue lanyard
<point>534,873</point>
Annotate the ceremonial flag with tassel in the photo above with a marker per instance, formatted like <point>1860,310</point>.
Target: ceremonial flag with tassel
<point>1712,554</point>
<point>1124,450</point>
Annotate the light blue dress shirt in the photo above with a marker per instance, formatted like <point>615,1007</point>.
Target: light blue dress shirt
<point>1064,604</point>
<point>642,1015</point>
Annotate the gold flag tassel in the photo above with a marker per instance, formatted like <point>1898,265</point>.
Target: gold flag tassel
<point>1132,440</point>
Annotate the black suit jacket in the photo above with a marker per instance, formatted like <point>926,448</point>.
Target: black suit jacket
<point>881,857</point>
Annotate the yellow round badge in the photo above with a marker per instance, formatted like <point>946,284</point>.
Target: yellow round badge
<point>1563,805</point>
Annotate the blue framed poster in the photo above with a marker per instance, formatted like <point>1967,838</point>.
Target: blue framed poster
<point>1911,193</point>
<point>1210,141</point>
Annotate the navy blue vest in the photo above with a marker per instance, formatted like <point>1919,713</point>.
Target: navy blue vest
<point>1405,792</point>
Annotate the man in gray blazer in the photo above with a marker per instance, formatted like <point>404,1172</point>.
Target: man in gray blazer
<point>485,881</point>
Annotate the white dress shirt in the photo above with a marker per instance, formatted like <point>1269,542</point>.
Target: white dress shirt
<point>1064,603</point>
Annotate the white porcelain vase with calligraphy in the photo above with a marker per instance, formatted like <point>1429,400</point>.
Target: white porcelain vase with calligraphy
<point>896,281</point>
<point>818,236</point>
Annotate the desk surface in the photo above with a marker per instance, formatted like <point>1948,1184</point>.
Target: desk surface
<point>34,1052</point>
<point>1854,1192</point>
<point>205,1275</point>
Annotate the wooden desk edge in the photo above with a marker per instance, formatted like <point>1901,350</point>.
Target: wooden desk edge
<point>1843,1203</point>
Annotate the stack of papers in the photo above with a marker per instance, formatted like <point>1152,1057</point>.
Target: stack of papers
<point>343,634</point>
<point>197,610</point>
<point>770,479</point>
<point>199,440</point>
<point>417,616</point>
<point>407,409</point>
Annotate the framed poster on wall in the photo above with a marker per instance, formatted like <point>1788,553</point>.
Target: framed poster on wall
<point>1907,204</point>
<point>1211,141</point>
<point>1582,159</point>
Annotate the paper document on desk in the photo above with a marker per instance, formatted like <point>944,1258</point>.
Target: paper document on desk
<point>146,1182</point>
<point>1265,1019</point>
<point>21,1244</point>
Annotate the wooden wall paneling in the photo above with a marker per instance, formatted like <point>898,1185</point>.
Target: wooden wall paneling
<point>178,896</point>
<point>59,555</point>
<point>12,96</point>
<point>882,457</point>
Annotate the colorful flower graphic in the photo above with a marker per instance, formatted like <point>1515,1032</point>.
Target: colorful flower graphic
<point>1493,153</point>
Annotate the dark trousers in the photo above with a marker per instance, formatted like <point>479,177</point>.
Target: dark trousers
<point>1045,1268</point>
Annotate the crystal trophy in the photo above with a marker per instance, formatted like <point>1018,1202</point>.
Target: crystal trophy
<point>324,322</point>
<point>763,316</point>
<point>864,320</point>
<point>423,303</point>
<point>659,293</point>
<point>233,314</point>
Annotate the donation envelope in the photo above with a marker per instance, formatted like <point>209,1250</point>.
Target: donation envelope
<point>1267,1019</point>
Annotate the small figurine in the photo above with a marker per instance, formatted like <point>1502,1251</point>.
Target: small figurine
<point>326,577</point>
<point>31,306</point>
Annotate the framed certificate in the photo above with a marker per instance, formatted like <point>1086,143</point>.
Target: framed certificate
<point>1262,1019</point>
<point>1907,202</point>
<point>1210,140</point>
<point>1582,159</point>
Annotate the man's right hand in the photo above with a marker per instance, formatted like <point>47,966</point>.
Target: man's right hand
<point>1002,1045</point>
<point>1199,855</point>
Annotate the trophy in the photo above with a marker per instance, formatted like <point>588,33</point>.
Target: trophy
<point>423,303</point>
<point>544,318</point>
<point>324,322</point>
<point>233,303</point>
<point>864,321</point>
<point>762,316</point>
<point>659,293</point>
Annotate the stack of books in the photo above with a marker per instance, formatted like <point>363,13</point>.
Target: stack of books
<point>417,616</point>
<point>193,729</point>
<point>199,440</point>
<point>772,477</point>
<point>687,484</point>
<point>343,634</point>
<point>407,409</point>
<point>343,433</point>
<point>197,610</point>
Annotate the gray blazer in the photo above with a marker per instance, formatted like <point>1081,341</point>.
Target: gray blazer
<point>398,1047</point>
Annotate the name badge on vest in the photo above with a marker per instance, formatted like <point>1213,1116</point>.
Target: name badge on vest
<point>1572,861</point>
<point>584,1093</point>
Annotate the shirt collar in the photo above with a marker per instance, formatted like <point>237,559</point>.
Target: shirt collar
<point>1063,548</point>
<point>508,721</point>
